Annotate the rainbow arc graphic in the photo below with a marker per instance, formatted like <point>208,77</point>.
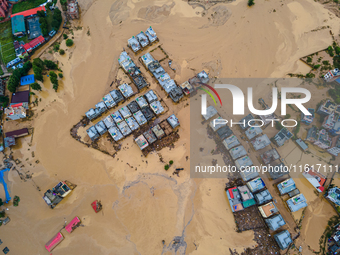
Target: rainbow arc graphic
<point>209,93</point>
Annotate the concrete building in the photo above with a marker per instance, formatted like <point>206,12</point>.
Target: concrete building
<point>187,88</point>
<point>124,128</point>
<point>169,85</point>
<point>109,122</point>
<point>21,97</point>
<point>117,96</point>
<point>283,239</point>
<point>158,132</point>
<point>335,147</point>
<point>150,137</point>
<point>150,33</point>
<point>268,210</point>
<point>173,121</point>
<point>150,96</point>
<point>260,142</point>
<point>263,197</point>
<point>140,118</point>
<point>275,222</point>
<point>293,193</point>
<point>252,132</point>
<point>139,81</point>
<point>147,59</point>
<point>303,146</point>
<point>326,108</point>
<point>211,112</point>
<point>246,196</point>
<point>132,123</point>
<point>142,39</point>
<point>234,198</point>
<point>270,156</point>
<point>224,132</point>
<point>286,186</point>
<point>244,162</point>
<point>312,134</point>
<point>92,133</point>
<point>141,142</point>
<point>166,126</point>
<point>324,140</point>
<point>18,25</point>
<point>17,133</point>
<point>296,203</point>
<point>141,101</point>
<point>133,43</point>
<point>245,121</point>
<point>231,142</point>
<point>126,90</point>
<point>333,194</point>
<point>125,112</point>
<point>176,94</point>
<point>157,107</point>
<point>133,107</point>
<point>72,9</point>
<point>109,102</point>
<point>308,119</point>
<point>101,107</point>
<point>248,174</point>
<point>115,133</point>
<point>92,114</point>
<point>203,76</point>
<point>256,185</point>
<point>238,152</point>
<point>101,128</point>
<point>282,136</point>
<point>332,75</point>
<point>148,113</point>
<point>15,112</point>
<point>117,117</point>
<point>315,178</point>
<point>217,123</point>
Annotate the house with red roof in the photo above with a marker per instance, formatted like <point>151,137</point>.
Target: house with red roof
<point>34,43</point>
<point>51,244</point>
<point>3,8</point>
<point>315,178</point>
<point>73,224</point>
<point>30,12</point>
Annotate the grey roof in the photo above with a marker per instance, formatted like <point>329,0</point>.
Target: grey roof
<point>109,122</point>
<point>141,101</point>
<point>132,123</point>
<point>302,144</point>
<point>125,112</point>
<point>277,171</point>
<point>141,142</point>
<point>148,113</point>
<point>117,96</point>
<point>252,132</point>
<point>286,186</point>
<point>173,121</point>
<point>134,44</point>
<point>158,131</point>
<point>256,184</point>
<point>117,117</point>
<point>246,119</point>
<point>163,79</point>
<point>296,203</point>
<point>115,133</point>
<point>238,152</point>
<point>156,69</point>
<point>157,107</point>
<point>139,81</point>
<point>92,133</point>
<point>126,90</point>
<point>275,222</point>
<point>282,136</point>
<point>108,100</point>
<point>270,156</point>
<point>124,60</point>
<point>143,39</point>
<point>243,162</point>
<point>203,76</point>
<point>150,33</point>
<point>294,193</point>
<point>176,94</point>
<point>92,113</point>
<point>224,132</point>
<point>245,193</point>
<point>147,59</point>
<point>150,96</point>
<point>133,107</point>
<point>211,112</point>
<point>249,173</point>
<point>101,128</point>
<point>283,239</point>
<point>124,128</point>
<point>169,85</point>
<point>101,107</point>
<point>333,195</point>
<point>149,135</point>
<point>217,123</point>
<point>230,142</point>
<point>263,197</point>
<point>140,118</point>
<point>260,142</point>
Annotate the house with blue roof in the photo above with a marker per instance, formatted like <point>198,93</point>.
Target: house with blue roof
<point>283,239</point>
<point>256,185</point>
<point>286,186</point>
<point>26,80</point>
<point>275,222</point>
<point>296,203</point>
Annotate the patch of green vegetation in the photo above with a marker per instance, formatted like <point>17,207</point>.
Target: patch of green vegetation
<point>309,60</point>
<point>1,72</point>
<point>316,66</point>
<point>166,167</point>
<point>61,52</point>
<point>330,51</point>
<point>26,5</point>
<point>69,42</point>
<point>7,51</point>
<point>296,130</point>
<point>36,86</point>
<point>278,125</point>
<point>14,79</point>
<point>310,75</point>
<point>251,3</point>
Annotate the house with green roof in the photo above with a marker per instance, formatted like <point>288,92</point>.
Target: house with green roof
<point>18,25</point>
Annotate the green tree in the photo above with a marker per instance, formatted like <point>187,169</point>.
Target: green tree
<point>41,14</point>
<point>69,42</point>
<point>60,75</point>
<point>50,64</point>
<point>4,100</point>
<point>56,47</point>
<point>65,36</point>
<point>63,2</point>
<point>36,86</point>
<point>38,62</point>
<point>166,167</point>
<point>61,52</point>
<point>251,3</point>
<point>39,77</point>
<point>336,61</point>
<point>316,66</point>
<point>309,60</point>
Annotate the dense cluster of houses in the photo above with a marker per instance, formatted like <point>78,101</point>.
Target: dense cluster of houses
<point>332,75</point>
<point>18,106</point>
<point>142,40</point>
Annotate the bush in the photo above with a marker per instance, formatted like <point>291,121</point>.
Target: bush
<point>251,3</point>
<point>310,75</point>
<point>166,167</point>
<point>309,60</point>
<point>61,52</point>
<point>60,75</point>
<point>63,2</point>
<point>50,64</point>
<point>4,100</point>
<point>171,162</point>
<point>336,61</point>
<point>337,50</point>
<point>316,66</point>
<point>36,86</point>
<point>38,62</point>
<point>56,47</point>
<point>325,62</point>
<point>65,36</point>
<point>69,42</point>
<point>56,19</point>
<point>39,77</point>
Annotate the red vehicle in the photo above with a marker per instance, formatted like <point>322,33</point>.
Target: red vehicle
<point>96,205</point>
